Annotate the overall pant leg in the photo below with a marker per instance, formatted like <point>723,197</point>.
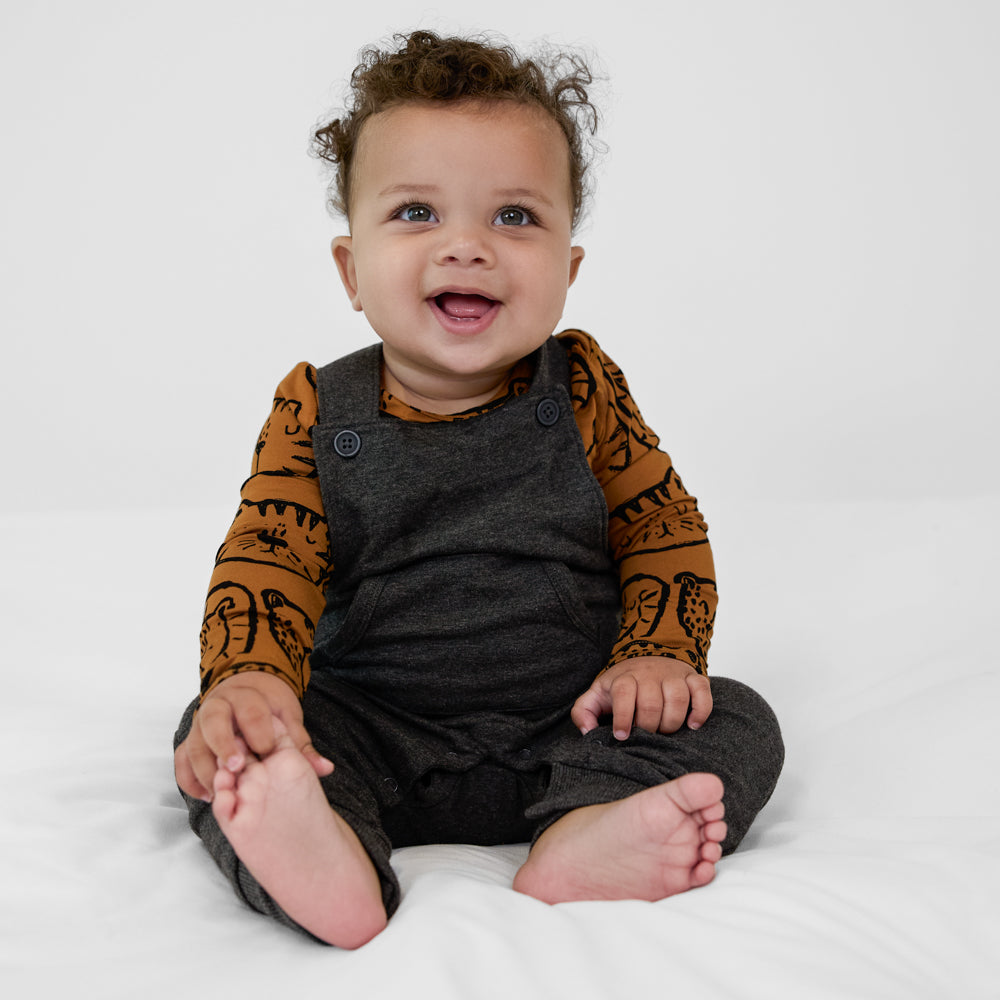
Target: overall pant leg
<point>740,743</point>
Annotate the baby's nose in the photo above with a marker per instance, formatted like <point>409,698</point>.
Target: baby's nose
<point>463,245</point>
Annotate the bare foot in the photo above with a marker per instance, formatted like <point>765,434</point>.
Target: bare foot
<point>310,862</point>
<point>656,843</point>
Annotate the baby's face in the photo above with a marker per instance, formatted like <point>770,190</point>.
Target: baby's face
<point>460,251</point>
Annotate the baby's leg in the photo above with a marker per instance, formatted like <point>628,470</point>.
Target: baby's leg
<point>311,863</point>
<point>653,844</point>
<point>652,792</point>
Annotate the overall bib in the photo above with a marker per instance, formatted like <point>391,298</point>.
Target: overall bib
<point>471,570</point>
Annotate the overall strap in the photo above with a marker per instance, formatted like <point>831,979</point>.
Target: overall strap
<point>350,388</point>
<point>551,366</point>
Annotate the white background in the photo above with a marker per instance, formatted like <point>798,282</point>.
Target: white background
<point>793,253</point>
<point>794,256</point>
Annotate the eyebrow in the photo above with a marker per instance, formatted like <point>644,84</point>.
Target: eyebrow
<point>525,193</point>
<point>430,189</point>
<point>409,189</point>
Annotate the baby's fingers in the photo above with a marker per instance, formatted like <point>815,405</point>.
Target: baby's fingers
<point>624,692</point>
<point>242,722</point>
<point>652,706</point>
<point>301,738</point>
<point>675,703</point>
<point>701,700</point>
<point>588,709</point>
<point>186,776</point>
<point>217,726</point>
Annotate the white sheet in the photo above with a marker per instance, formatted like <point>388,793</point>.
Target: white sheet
<point>873,872</point>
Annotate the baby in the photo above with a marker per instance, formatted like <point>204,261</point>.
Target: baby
<point>466,597</point>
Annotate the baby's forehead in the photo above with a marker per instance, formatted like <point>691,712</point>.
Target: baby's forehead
<point>420,124</point>
<point>527,114</point>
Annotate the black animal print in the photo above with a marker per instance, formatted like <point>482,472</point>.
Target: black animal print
<point>288,624</point>
<point>281,533</point>
<point>644,600</point>
<point>695,609</point>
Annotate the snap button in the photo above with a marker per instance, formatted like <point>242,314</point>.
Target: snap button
<point>547,412</point>
<point>347,444</point>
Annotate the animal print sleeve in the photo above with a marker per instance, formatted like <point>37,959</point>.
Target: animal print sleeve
<point>270,574</point>
<point>658,537</point>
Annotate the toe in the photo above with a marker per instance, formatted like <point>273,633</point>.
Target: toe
<point>224,806</point>
<point>702,874</point>
<point>715,832</point>
<point>714,812</point>
<point>697,791</point>
<point>711,852</point>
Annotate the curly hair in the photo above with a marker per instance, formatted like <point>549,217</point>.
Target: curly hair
<point>427,67</point>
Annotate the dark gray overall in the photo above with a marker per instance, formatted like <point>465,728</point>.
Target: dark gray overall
<point>473,600</point>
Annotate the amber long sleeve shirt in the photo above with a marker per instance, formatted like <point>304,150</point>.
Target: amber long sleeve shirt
<point>279,540</point>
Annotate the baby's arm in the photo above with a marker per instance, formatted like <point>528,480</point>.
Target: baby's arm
<point>656,693</point>
<point>656,678</point>
<point>235,718</point>
<point>267,588</point>
<point>266,592</point>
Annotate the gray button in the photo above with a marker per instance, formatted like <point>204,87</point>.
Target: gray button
<point>547,412</point>
<point>347,444</point>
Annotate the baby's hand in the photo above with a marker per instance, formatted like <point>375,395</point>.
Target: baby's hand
<point>655,693</point>
<point>236,719</point>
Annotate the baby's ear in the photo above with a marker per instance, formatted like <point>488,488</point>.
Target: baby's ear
<point>343,257</point>
<point>576,256</point>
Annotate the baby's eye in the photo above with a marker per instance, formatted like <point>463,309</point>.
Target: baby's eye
<point>415,213</point>
<point>513,216</point>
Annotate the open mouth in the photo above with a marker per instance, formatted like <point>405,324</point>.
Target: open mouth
<point>464,314</point>
<point>464,306</point>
